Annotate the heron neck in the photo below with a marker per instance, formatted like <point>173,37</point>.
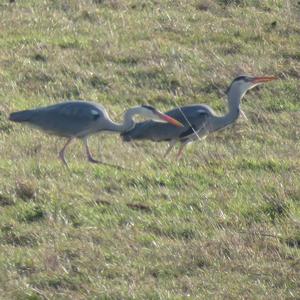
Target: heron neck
<point>127,124</point>
<point>234,99</point>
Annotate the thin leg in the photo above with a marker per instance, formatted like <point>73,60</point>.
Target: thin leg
<point>92,160</point>
<point>61,154</point>
<point>88,152</point>
<point>171,146</point>
<point>180,151</point>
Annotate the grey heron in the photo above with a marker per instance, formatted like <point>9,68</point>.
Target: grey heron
<point>80,119</point>
<point>199,119</point>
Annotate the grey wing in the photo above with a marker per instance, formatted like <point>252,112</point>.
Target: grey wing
<point>74,118</point>
<point>193,118</point>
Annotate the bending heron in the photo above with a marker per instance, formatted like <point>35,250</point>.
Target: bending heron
<point>199,120</point>
<point>80,119</point>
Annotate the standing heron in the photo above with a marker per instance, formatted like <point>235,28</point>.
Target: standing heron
<point>199,120</point>
<point>80,119</point>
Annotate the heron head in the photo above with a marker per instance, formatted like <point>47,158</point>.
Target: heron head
<point>155,115</point>
<point>244,83</point>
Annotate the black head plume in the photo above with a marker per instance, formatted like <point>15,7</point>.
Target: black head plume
<point>240,77</point>
<point>149,107</point>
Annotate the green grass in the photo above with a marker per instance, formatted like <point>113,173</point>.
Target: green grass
<point>222,223</point>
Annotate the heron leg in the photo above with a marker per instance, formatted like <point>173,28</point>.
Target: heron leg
<point>88,152</point>
<point>62,152</point>
<point>180,151</point>
<point>171,146</point>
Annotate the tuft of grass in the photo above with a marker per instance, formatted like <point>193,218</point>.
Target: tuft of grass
<point>26,190</point>
<point>11,236</point>
<point>6,200</point>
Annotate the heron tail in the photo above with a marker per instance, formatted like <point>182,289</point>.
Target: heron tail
<point>21,116</point>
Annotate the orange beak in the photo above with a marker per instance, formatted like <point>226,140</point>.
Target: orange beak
<point>263,79</point>
<point>170,120</point>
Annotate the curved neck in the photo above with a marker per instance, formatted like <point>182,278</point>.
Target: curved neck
<point>234,99</point>
<point>128,122</point>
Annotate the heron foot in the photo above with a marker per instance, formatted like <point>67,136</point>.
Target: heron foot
<point>94,161</point>
<point>61,156</point>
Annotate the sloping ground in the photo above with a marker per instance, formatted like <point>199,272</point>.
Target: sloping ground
<point>222,223</point>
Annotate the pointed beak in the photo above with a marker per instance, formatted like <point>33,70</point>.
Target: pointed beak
<point>263,79</point>
<point>169,119</point>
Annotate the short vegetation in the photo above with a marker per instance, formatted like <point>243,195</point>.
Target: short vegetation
<point>223,223</point>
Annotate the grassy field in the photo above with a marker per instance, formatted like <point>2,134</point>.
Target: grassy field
<point>223,223</point>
